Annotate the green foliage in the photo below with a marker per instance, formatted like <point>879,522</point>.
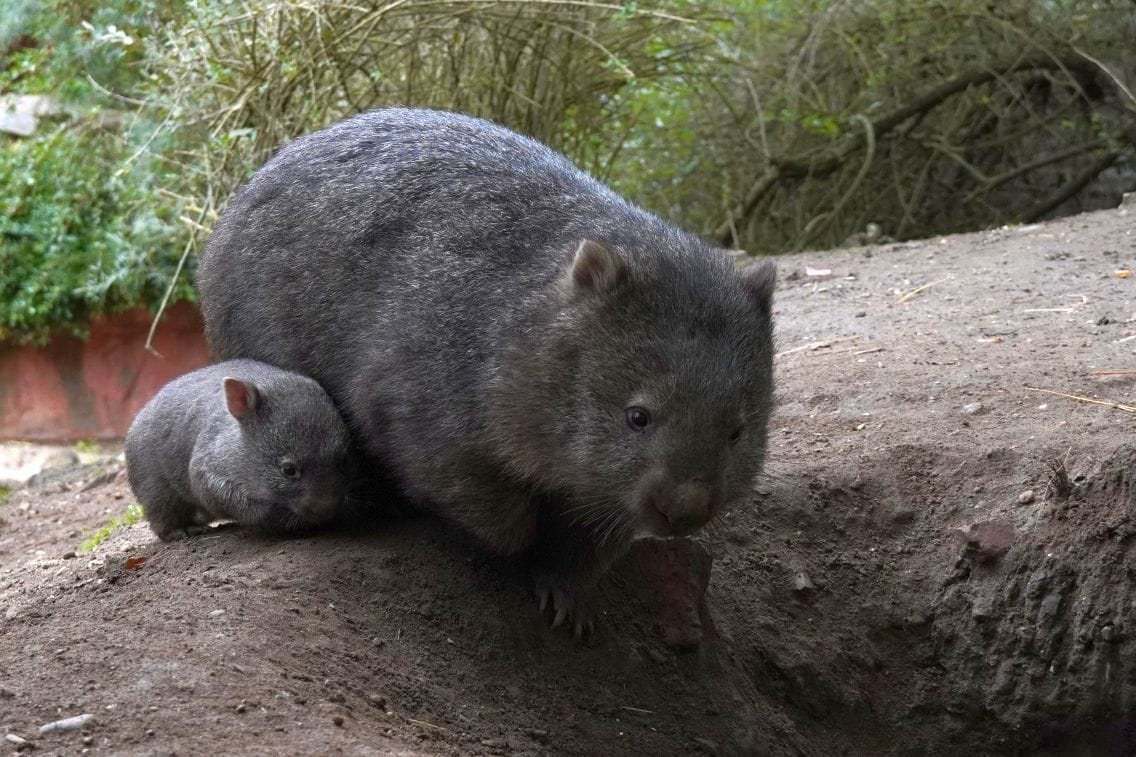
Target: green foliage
<point>83,229</point>
<point>88,446</point>
<point>81,232</point>
<point>133,514</point>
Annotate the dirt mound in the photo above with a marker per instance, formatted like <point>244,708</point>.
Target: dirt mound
<point>939,560</point>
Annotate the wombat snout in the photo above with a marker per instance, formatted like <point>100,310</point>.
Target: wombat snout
<point>675,508</point>
<point>320,507</point>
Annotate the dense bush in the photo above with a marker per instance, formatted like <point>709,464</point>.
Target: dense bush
<point>83,226</point>
<point>82,232</point>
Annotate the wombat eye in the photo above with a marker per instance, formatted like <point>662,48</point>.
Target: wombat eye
<point>290,470</point>
<point>735,435</point>
<point>638,418</point>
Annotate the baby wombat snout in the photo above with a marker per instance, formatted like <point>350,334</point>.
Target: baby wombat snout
<point>240,440</point>
<point>529,354</point>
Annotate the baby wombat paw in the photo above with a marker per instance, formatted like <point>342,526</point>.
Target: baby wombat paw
<point>186,532</point>
<point>557,597</point>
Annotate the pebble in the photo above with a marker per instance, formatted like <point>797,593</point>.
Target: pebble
<point>11,612</point>
<point>19,741</point>
<point>1049,607</point>
<point>69,555</point>
<point>802,583</point>
<point>1107,633</point>
<point>974,408</point>
<point>66,724</point>
<point>1026,497</point>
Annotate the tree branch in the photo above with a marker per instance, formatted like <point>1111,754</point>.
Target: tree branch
<point>1081,181</point>
<point>818,167</point>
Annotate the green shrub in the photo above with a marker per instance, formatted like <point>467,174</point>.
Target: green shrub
<point>84,229</point>
<point>82,232</point>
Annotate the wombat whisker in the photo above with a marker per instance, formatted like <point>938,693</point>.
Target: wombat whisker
<point>616,521</point>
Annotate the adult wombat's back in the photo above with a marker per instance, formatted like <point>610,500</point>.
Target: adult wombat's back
<point>388,257</point>
<point>400,224</point>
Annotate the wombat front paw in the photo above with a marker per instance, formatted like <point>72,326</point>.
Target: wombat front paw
<point>565,604</point>
<point>177,534</point>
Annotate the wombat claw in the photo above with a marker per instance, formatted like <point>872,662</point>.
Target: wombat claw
<point>186,533</point>
<point>552,594</point>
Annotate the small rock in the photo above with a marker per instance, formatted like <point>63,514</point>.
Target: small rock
<point>377,641</point>
<point>242,708</point>
<point>11,613</point>
<point>802,584</point>
<point>66,724</point>
<point>988,539</point>
<point>495,743</point>
<point>378,700</point>
<point>88,740</point>
<point>1049,607</point>
<point>19,741</point>
<point>1108,633</point>
<point>338,720</point>
<point>69,555</point>
<point>974,408</point>
<point>678,570</point>
<point>982,608</point>
<point>1026,497</point>
<point>216,613</point>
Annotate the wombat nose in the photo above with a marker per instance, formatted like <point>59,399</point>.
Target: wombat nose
<point>320,509</point>
<point>688,508</point>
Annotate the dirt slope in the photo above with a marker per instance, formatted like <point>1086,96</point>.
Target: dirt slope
<point>890,589</point>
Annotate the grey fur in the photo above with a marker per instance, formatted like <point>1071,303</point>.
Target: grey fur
<point>190,460</point>
<point>430,270</point>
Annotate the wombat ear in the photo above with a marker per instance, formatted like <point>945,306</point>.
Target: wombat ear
<point>759,281</point>
<point>240,398</point>
<point>596,267</point>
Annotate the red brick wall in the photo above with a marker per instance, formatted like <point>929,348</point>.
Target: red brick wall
<point>72,389</point>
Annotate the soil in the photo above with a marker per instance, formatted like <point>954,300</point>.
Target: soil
<point>939,560</point>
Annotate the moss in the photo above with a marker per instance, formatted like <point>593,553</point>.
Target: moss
<point>129,517</point>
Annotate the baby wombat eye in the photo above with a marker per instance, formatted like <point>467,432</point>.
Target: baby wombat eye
<point>638,418</point>
<point>290,470</point>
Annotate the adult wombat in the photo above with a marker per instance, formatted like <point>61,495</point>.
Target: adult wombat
<point>532,356</point>
<point>240,440</point>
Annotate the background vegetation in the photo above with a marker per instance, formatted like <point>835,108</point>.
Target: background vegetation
<point>766,124</point>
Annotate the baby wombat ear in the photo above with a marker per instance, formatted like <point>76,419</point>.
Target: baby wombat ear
<point>596,268</point>
<point>759,281</point>
<point>240,397</point>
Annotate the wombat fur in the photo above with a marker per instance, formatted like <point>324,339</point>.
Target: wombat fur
<point>532,356</point>
<point>240,440</point>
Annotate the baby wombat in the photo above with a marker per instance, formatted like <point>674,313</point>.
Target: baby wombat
<point>531,356</point>
<point>240,440</point>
